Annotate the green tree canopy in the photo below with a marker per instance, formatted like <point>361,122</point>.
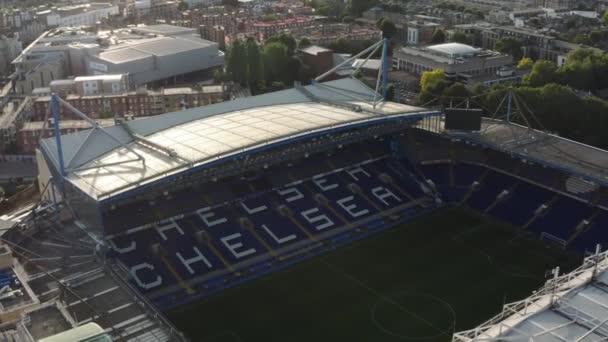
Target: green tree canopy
<point>236,65</point>
<point>276,61</point>
<point>525,63</point>
<point>183,6</point>
<point>285,39</point>
<point>387,27</point>
<point>543,72</point>
<point>509,46</point>
<point>255,64</point>
<point>605,17</point>
<point>459,37</point>
<point>390,92</point>
<point>431,83</point>
<point>304,42</point>
<point>357,7</point>
<point>438,36</point>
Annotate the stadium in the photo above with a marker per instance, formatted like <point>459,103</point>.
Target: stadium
<point>321,213</point>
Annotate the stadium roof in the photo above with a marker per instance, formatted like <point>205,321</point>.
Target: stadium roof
<point>573,307</point>
<point>103,167</point>
<point>544,148</point>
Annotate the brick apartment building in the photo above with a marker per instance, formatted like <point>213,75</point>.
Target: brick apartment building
<point>135,103</point>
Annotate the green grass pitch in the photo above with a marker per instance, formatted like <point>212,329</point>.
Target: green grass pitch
<point>417,281</point>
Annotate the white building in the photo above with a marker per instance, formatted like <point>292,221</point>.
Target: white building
<point>80,15</point>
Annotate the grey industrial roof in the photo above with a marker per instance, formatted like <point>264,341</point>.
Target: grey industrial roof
<point>123,55</point>
<point>205,134</point>
<point>159,46</point>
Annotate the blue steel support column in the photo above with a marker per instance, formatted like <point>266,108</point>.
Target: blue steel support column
<point>509,105</point>
<point>385,68</point>
<point>55,110</point>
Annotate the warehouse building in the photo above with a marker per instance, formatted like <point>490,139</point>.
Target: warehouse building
<point>162,54</point>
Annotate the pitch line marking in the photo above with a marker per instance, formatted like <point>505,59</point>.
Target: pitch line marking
<point>445,304</point>
<point>381,296</point>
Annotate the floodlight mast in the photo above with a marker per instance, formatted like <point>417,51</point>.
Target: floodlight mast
<point>382,73</point>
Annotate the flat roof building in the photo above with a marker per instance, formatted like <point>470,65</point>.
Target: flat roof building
<point>457,60</point>
<point>155,53</point>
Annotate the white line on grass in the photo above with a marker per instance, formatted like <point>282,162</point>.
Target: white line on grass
<point>381,296</point>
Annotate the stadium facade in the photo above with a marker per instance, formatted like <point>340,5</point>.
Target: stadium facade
<point>195,201</point>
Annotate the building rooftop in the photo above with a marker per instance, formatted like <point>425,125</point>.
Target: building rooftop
<point>164,29</point>
<point>102,78</point>
<point>314,50</point>
<point>572,307</point>
<point>159,46</point>
<point>102,167</point>
<point>547,149</point>
<point>64,124</point>
<point>453,49</point>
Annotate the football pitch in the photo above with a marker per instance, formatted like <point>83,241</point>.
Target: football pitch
<point>422,280</point>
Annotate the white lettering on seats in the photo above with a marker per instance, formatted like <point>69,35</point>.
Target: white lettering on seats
<point>320,182</point>
<point>358,169</point>
<point>310,216</point>
<point>198,258</point>
<point>351,209</point>
<point>206,215</point>
<point>233,247</point>
<point>253,210</point>
<point>383,193</point>
<point>296,194</point>
<point>277,239</point>
<point>168,226</point>
<point>141,267</point>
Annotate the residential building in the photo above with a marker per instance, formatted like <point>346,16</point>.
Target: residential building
<point>133,103</point>
<point>78,15</point>
<point>420,32</point>
<point>91,85</point>
<point>536,45</point>
<point>30,134</point>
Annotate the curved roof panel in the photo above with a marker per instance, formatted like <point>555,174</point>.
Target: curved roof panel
<point>179,141</point>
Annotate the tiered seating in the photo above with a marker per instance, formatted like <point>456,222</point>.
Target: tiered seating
<point>596,233</point>
<point>521,204</point>
<point>493,184</point>
<point>562,217</point>
<point>203,249</point>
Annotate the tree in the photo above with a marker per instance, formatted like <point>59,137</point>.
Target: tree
<point>543,72</point>
<point>348,19</point>
<point>182,6</point>
<point>387,27</point>
<point>304,42</point>
<point>605,17</point>
<point>357,7</point>
<point>431,83</point>
<point>390,92</point>
<point>509,46</point>
<point>275,61</point>
<point>236,65</point>
<point>255,65</point>
<point>341,46</point>
<point>525,63</point>
<point>286,40</point>
<point>438,36</point>
<point>460,37</point>
<point>219,76</point>
<point>583,39</point>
